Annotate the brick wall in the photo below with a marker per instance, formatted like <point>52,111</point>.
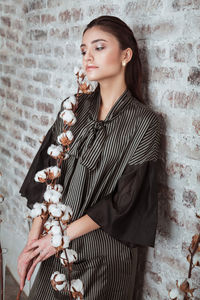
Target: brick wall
<point>39,48</point>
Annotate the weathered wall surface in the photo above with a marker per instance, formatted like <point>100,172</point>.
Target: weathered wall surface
<point>39,48</point>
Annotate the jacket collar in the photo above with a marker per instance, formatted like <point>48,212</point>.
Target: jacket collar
<point>119,105</point>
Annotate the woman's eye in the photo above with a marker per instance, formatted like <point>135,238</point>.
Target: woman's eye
<point>83,52</point>
<point>99,48</point>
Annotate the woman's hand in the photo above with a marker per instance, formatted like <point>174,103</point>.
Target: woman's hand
<point>24,263</point>
<point>39,251</point>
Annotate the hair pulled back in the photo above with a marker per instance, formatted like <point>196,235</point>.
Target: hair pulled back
<point>126,39</point>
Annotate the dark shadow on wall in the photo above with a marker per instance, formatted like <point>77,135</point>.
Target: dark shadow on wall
<point>165,194</point>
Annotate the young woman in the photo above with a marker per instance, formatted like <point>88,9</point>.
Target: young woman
<point>109,179</point>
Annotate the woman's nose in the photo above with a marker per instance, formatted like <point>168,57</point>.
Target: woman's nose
<point>88,56</point>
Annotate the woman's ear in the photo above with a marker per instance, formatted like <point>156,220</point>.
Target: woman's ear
<point>127,55</point>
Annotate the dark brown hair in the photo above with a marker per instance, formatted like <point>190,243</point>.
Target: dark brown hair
<point>126,39</point>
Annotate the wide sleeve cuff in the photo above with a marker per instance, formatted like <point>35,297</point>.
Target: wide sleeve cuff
<point>129,213</point>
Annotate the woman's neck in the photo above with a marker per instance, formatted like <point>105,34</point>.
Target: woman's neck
<point>110,94</point>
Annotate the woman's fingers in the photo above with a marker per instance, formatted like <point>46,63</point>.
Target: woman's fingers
<point>35,262</point>
<point>44,254</point>
<point>22,274</point>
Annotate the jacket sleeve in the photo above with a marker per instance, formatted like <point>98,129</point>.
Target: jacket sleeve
<point>129,213</point>
<point>31,189</point>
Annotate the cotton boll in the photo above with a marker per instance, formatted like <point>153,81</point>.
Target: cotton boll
<point>65,138</point>
<point>71,255</point>
<point>54,274</point>
<point>40,176</point>
<point>67,215</point>
<point>55,211</point>
<point>52,196</point>
<point>56,240</point>
<point>173,294</point>
<point>58,281</point>
<point>196,259</point>
<point>39,209</point>
<point>55,151</point>
<point>68,117</point>
<point>76,70</point>
<point>56,230</point>
<point>58,188</point>
<point>65,242</point>
<point>53,172</point>
<point>47,226</point>
<point>67,104</point>
<point>77,288</point>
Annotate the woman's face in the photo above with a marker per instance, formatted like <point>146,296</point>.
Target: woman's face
<point>102,56</point>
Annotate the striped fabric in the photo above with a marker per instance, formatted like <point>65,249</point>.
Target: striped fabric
<point>101,151</point>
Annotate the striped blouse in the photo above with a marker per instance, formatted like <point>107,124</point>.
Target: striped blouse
<point>110,173</point>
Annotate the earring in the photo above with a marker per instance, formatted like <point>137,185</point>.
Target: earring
<point>123,63</point>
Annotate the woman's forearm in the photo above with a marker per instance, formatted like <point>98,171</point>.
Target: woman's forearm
<point>36,229</point>
<point>80,227</point>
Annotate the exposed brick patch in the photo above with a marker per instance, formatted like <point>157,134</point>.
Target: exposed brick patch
<point>178,169</point>
<point>2,93</point>
<point>182,52</point>
<point>29,63</point>
<point>162,73</point>
<point>35,19</point>
<point>6,21</point>
<point>50,93</point>
<point>194,76</point>
<point>26,152</point>
<point>13,36</point>
<point>33,90</point>
<point>198,54</point>
<point>56,33</point>
<point>12,145</point>
<point>31,142</point>
<point>6,81</point>
<point>198,177</point>
<point>46,19</point>
<point>103,9</point>
<point>58,52</point>
<point>189,198</point>
<point>36,4</point>
<point>18,85</point>
<point>38,35</point>
<point>19,160</point>
<point>185,4</point>
<point>9,69</point>
<point>35,130</point>
<point>5,152</point>
<point>21,124</point>
<point>44,120</point>
<point>27,101</point>
<point>54,3</point>
<point>42,77</point>
<point>65,16</point>
<point>156,278</point>
<point>179,99</point>
<point>196,124</point>
<point>3,57</point>
<point>47,107</point>
<point>10,9</point>
<point>48,64</point>
<point>12,95</point>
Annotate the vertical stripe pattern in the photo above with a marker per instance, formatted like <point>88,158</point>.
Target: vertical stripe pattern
<point>99,154</point>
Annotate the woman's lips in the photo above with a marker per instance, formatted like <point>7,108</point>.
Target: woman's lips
<point>89,68</point>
